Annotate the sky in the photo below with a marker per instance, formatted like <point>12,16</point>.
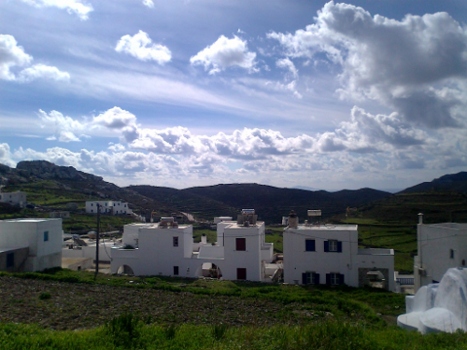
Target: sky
<point>287,93</point>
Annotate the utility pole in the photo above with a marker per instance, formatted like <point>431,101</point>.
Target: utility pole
<point>97,240</point>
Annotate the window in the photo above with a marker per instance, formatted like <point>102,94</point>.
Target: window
<point>175,241</point>
<point>334,279</point>
<point>310,278</point>
<point>451,253</point>
<point>175,270</point>
<point>333,246</point>
<point>310,245</point>
<point>240,244</point>
<point>241,273</point>
<point>10,260</point>
<point>92,204</point>
<point>46,236</point>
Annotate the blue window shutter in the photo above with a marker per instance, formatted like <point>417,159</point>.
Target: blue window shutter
<point>304,278</point>
<point>341,278</point>
<point>328,278</point>
<point>339,247</point>
<point>326,246</point>
<point>316,278</point>
<point>310,245</point>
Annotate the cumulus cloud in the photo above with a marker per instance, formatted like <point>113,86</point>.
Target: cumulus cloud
<point>12,55</point>
<point>141,47</point>
<point>42,71</point>
<point>370,133</point>
<point>148,3</point>
<point>77,7</point>
<point>64,128</point>
<point>225,53</point>
<point>402,64</point>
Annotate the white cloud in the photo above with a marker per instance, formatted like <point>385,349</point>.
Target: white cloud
<point>63,128</point>
<point>225,53</point>
<point>78,7</point>
<point>406,65</point>
<point>11,55</point>
<point>140,46</point>
<point>38,71</point>
<point>148,3</point>
<point>286,63</point>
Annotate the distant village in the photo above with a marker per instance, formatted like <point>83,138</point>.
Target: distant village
<point>313,253</point>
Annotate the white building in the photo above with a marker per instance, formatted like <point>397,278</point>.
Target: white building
<point>440,247</point>
<point>17,198</point>
<point>108,207</point>
<point>329,254</point>
<point>30,244</point>
<point>166,248</point>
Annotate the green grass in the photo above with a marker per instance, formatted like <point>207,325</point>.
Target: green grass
<point>128,332</point>
<point>329,318</point>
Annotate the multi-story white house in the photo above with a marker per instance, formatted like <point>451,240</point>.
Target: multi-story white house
<point>440,247</point>
<point>30,244</point>
<point>17,198</point>
<point>108,207</point>
<point>329,254</point>
<point>166,248</point>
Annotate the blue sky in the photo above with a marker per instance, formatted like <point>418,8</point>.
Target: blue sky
<point>288,93</point>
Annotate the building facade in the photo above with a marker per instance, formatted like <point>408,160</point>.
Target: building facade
<point>329,254</point>
<point>17,198</point>
<point>30,244</point>
<point>108,207</point>
<point>440,247</point>
<point>167,248</point>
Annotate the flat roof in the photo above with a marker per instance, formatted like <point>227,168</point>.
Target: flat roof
<point>326,227</point>
<point>30,220</point>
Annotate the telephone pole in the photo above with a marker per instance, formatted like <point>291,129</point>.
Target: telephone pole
<point>97,240</point>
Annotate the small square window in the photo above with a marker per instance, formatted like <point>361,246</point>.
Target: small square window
<point>175,241</point>
<point>241,273</point>
<point>46,236</point>
<point>310,245</point>
<point>240,244</point>
<point>333,245</point>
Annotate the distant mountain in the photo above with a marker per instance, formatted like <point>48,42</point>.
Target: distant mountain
<point>447,183</point>
<point>45,182</point>
<point>442,199</point>
<point>272,203</point>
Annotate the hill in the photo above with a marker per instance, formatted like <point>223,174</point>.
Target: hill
<point>441,200</point>
<point>56,187</point>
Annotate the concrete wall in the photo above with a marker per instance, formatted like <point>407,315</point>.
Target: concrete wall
<point>440,247</point>
<point>42,236</point>
<point>347,262</point>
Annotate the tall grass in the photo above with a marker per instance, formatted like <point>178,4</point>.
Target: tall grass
<point>327,335</point>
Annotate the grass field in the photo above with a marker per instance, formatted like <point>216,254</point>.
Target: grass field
<point>62,309</point>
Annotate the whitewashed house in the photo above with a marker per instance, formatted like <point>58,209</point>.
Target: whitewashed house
<point>440,247</point>
<point>30,244</point>
<point>17,198</point>
<point>108,207</point>
<point>329,254</point>
<point>167,248</point>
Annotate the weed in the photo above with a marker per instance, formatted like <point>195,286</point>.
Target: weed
<point>219,330</point>
<point>45,296</point>
<point>170,331</point>
<point>124,330</point>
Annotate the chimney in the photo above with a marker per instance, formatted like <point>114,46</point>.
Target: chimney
<point>293,220</point>
<point>420,218</point>
<point>204,239</point>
